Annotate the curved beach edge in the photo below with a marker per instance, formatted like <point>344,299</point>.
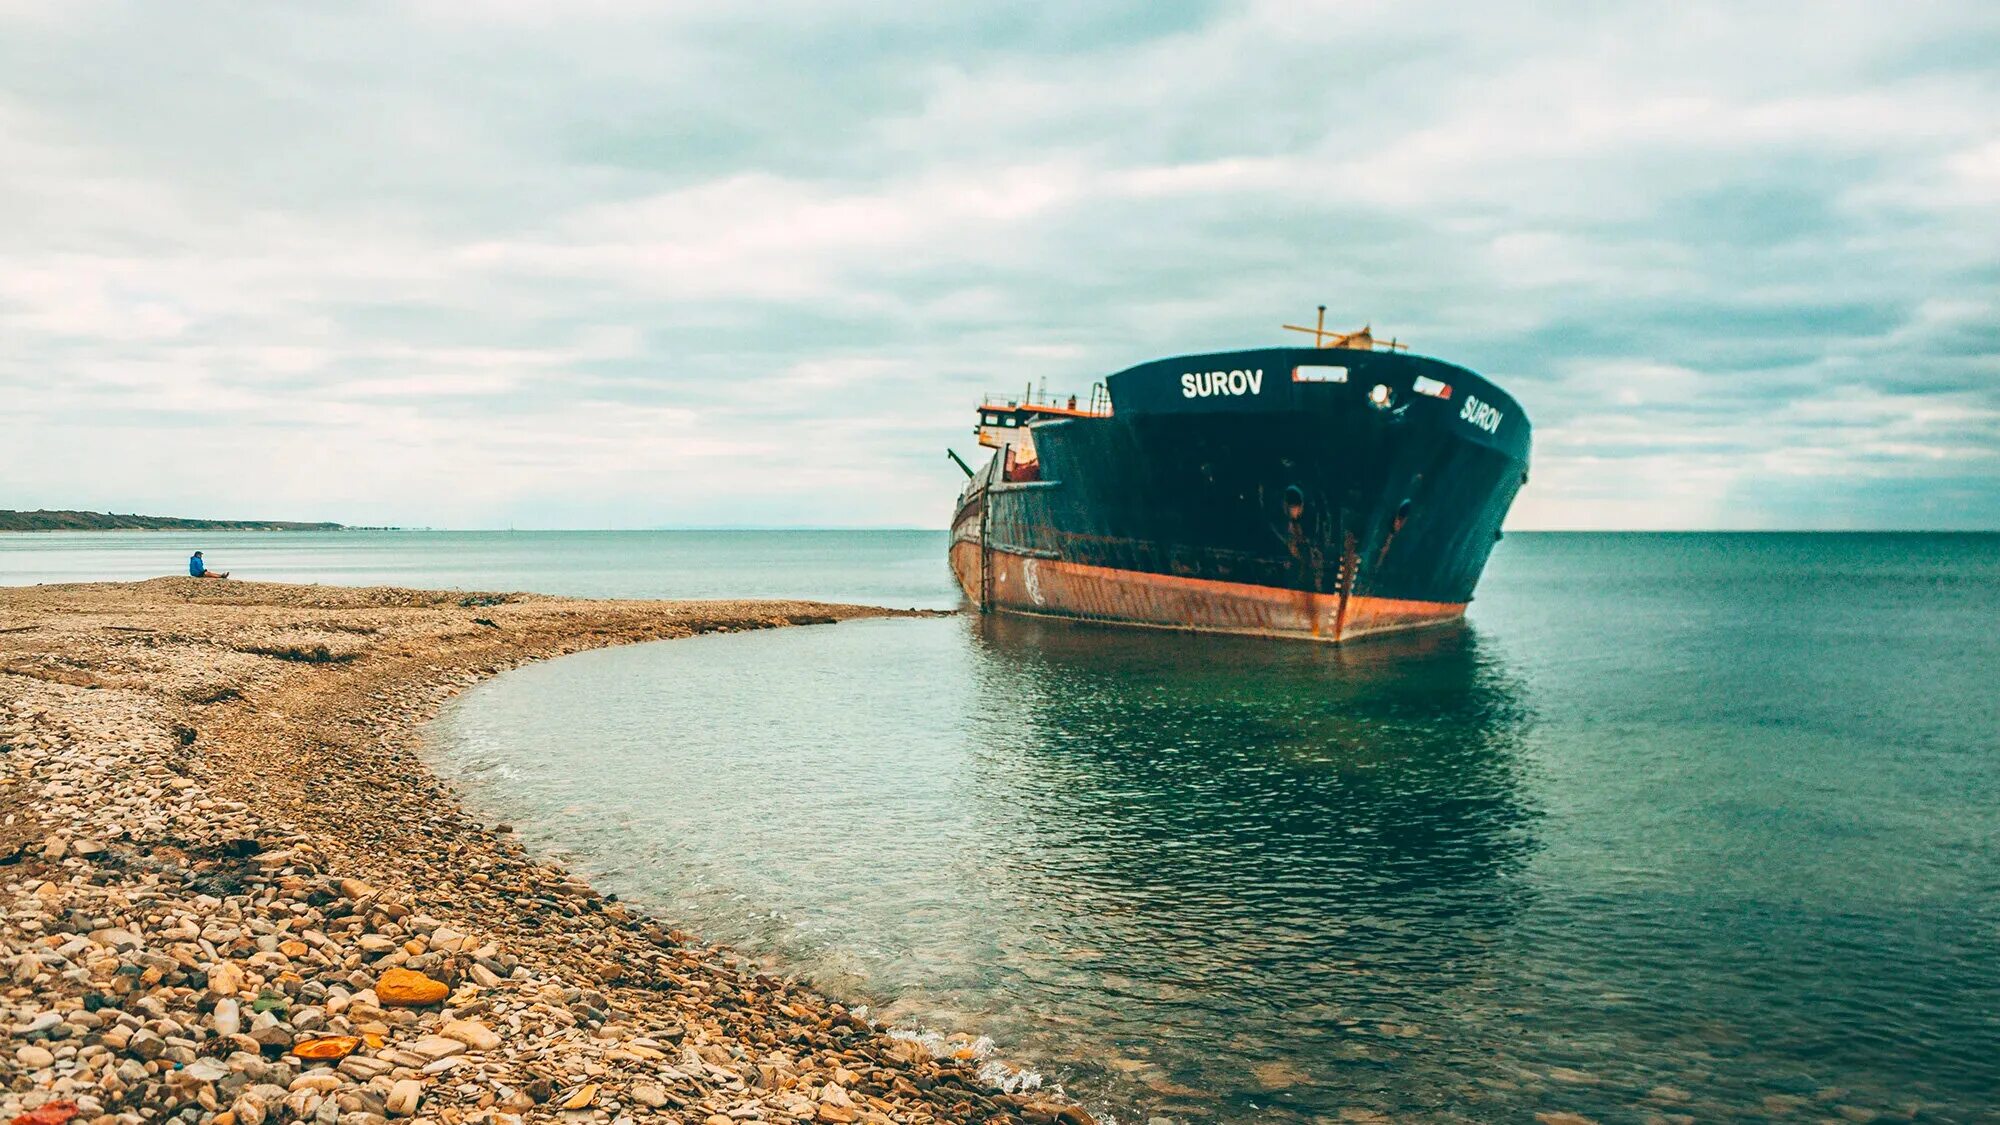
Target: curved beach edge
<point>232,885</point>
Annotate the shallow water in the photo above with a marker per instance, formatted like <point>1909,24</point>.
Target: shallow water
<point>1699,824</point>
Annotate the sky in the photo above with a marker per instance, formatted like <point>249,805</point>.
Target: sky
<point>603,264</point>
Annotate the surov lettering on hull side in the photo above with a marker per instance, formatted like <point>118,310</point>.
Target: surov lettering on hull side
<point>1326,492</point>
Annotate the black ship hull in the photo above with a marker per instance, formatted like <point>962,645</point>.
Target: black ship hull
<point>1317,493</point>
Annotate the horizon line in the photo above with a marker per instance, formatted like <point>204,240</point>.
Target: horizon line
<point>714,528</point>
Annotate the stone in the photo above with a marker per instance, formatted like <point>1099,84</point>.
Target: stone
<point>227,1019</point>
<point>435,1047</point>
<point>58,1112</point>
<point>326,1047</point>
<point>34,1057</point>
<point>406,988</point>
<point>649,1095</point>
<point>42,1022</point>
<point>275,1033</point>
<point>362,1068</point>
<point>318,1081</point>
<point>472,1033</point>
<point>206,1070</point>
<point>404,1097</point>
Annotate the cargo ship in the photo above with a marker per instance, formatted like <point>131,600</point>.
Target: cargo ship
<point>1326,492</point>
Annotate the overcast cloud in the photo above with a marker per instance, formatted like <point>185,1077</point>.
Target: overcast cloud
<point>611,265</point>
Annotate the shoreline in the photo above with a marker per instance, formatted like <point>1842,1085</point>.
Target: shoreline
<point>220,844</point>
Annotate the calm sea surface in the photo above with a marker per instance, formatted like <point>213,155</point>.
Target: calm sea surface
<point>898,568</point>
<point>1678,824</point>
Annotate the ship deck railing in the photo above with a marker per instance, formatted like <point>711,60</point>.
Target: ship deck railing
<point>1098,405</point>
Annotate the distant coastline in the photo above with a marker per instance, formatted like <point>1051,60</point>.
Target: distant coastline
<point>46,520</point>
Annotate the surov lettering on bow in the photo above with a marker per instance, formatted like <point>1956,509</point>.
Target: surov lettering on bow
<point>1202,384</point>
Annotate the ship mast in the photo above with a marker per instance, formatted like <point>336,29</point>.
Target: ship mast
<point>1363,340</point>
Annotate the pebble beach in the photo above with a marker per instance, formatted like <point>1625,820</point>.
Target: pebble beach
<point>234,894</point>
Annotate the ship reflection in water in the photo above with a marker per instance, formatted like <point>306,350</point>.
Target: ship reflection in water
<point>1246,867</point>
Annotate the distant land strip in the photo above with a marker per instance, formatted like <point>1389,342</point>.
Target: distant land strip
<point>43,520</point>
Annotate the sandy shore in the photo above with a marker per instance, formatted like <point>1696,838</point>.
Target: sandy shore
<point>220,855</point>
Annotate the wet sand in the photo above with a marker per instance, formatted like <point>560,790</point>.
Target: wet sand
<point>220,851</point>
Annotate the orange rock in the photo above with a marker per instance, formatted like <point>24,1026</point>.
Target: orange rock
<point>53,1113</point>
<point>327,1047</point>
<point>406,988</point>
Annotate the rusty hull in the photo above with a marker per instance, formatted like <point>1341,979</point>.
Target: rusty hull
<point>1006,582</point>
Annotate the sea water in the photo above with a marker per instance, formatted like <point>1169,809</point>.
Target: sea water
<point>1676,824</point>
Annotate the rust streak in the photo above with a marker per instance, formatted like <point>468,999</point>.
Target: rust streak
<point>1054,588</point>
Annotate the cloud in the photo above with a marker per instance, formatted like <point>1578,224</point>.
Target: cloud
<point>484,265</point>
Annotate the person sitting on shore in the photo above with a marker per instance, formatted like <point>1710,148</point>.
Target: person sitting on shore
<point>199,569</point>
